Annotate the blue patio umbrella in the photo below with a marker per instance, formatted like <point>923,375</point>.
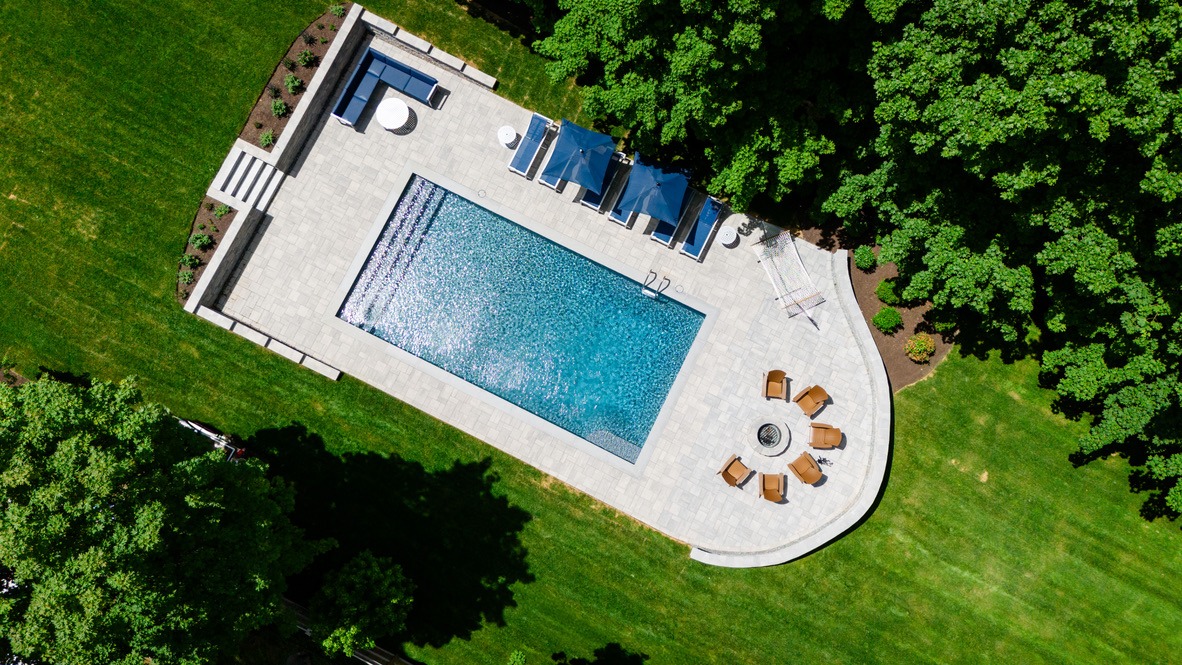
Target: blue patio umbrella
<point>580,156</point>
<point>654,192</point>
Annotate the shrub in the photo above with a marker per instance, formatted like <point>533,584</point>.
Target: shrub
<point>274,91</point>
<point>209,206</point>
<point>886,292</point>
<point>324,40</point>
<point>201,241</point>
<point>279,108</point>
<point>306,58</point>
<point>920,347</point>
<point>309,38</point>
<point>332,27</point>
<point>186,277</point>
<point>221,211</point>
<point>319,26</point>
<point>189,261</point>
<point>289,64</point>
<point>201,227</point>
<point>337,10</point>
<point>292,83</point>
<point>888,320</point>
<point>267,139</point>
<point>258,125</point>
<point>517,658</point>
<point>864,258</point>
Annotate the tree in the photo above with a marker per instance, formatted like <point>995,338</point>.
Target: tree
<point>128,539</point>
<point>1027,170</point>
<point>365,599</point>
<point>753,93</point>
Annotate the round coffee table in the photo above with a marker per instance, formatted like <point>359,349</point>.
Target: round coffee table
<point>728,236</point>
<point>507,136</point>
<point>393,113</point>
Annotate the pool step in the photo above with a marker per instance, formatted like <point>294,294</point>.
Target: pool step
<point>245,181</point>
<point>397,247</point>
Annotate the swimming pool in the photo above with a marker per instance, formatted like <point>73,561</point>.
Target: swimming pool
<point>530,321</point>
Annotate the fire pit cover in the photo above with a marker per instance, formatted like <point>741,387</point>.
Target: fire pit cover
<point>768,435</point>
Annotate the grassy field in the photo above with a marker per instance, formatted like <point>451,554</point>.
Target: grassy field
<point>988,545</point>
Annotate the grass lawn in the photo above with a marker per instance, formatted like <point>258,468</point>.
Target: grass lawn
<point>987,544</point>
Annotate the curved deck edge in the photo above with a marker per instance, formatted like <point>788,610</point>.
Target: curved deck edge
<point>873,483</point>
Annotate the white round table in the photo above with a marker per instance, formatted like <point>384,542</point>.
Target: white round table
<point>507,136</point>
<point>728,236</point>
<point>393,113</point>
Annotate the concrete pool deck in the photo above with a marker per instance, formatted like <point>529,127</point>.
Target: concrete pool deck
<point>320,223</point>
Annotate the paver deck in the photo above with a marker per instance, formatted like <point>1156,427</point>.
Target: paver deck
<point>289,286</point>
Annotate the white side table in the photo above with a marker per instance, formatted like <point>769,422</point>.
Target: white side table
<point>507,136</point>
<point>728,236</point>
<point>392,113</point>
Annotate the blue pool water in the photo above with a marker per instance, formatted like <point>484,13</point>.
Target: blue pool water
<point>524,318</point>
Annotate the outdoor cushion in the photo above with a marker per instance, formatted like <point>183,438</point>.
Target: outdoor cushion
<point>395,77</point>
<point>700,232</point>
<point>420,89</point>
<point>368,83</point>
<point>376,67</point>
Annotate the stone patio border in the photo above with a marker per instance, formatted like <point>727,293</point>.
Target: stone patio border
<point>872,484</point>
<point>373,342</point>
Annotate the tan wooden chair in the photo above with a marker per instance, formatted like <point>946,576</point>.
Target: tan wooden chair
<point>775,384</point>
<point>824,436</point>
<point>734,472</point>
<point>806,469</point>
<point>771,487</point>
<point>811,400</point>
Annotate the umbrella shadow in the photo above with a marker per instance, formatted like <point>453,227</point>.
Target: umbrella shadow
<point>456,538</point>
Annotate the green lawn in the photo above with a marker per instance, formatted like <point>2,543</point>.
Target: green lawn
<point>118,115</point>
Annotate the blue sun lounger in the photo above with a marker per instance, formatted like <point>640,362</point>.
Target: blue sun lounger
<point>530,146</point>
<point>551,181</point>
<point>622,217</point>
<point>599,202</point>
<point>703,229</point>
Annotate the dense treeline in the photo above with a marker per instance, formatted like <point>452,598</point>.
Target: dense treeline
<point>1020,161</point>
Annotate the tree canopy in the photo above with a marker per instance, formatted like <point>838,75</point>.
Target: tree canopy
<point>757,91</point>
<point>127,539</point>
<point>1029,162</point>
<point>1021,161</point>
<point>365,599</point>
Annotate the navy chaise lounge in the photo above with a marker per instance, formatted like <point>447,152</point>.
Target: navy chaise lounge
<point>377,68</point>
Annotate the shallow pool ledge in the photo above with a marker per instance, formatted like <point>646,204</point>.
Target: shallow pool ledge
<point>878,462</point>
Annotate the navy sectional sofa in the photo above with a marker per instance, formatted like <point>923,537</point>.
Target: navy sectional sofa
<point>377,68</point>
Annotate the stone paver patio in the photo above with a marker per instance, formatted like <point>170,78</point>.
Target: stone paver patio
<point>320,225</point>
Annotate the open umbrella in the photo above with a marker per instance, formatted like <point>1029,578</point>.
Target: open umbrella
<point>654,192</point>
<point>580,156</point>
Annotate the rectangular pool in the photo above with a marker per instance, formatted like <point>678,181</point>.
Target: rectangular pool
<point>526,319</point>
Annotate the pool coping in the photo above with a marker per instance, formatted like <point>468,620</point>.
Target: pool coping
<point>374,343</point>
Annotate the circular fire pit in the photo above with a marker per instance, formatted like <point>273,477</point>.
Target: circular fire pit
<point>768,435</point>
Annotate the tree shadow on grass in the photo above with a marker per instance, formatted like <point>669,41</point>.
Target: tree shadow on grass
<point>612,653</point>
<point>451,534</point>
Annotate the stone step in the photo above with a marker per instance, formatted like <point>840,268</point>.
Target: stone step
<point>245,181</point>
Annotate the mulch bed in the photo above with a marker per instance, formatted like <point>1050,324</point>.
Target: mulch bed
<point>901,370</point>
<point>207,222</point>
<point>261,119</point>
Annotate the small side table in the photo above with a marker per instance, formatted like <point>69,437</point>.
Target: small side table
<point>728,236</point>
<point>507,136</point>
<point>392,113</point>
